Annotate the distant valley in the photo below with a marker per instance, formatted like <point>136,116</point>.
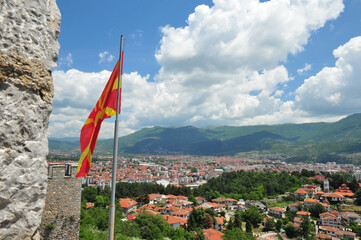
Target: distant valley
<point>316,142</point>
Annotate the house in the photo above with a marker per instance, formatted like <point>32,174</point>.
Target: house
<point>335,232</point>
<point>242,208</point>
<point>155,198</point>
<point>309,202</point>
<point>329,230</point>
<point>297,222</point>
<point>257,204</point>
<point>301,193</point>
<point>219,223</point>
<point>311,189</point>
<point>318,195</point>
<point>323,236</point>
<point>303,214</point>
<point>128,205</point>
<point>326,206</point>
<point>331,220</point>
<point>185,203</point>
<point>148,207</point>
<point>226,202</point>
<point>276,212</point>
<point>211,234</point>
<point>200,200</point>
<point>295,207</point>
<point>183,213</point>
<point>168,209</point>
<point>344,191</point>
<point>214,206</point>
<point>350,217</point>
<point>175,222</point>
<point>334,197</point>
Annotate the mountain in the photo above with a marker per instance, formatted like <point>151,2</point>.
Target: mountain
<point>308,139</point>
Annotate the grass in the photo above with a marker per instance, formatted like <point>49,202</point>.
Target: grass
<point>280,204</point>
<point>351,208</point>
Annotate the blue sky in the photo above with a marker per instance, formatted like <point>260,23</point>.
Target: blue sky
<point>209,63</point>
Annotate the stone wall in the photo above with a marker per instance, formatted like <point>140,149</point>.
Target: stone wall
<point>61,217</point>
<point>28,51</point>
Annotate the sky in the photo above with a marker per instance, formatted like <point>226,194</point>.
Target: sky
<point>208,63</point>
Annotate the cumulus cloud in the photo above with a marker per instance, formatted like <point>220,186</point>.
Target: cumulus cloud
<point>224,68</point>
<point>105,57</point>
<point>235,35</point>
<point>335,90</point>
<point>306,68</point>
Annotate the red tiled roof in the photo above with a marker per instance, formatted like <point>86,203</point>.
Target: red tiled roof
<point>211,234</point>
<point>173,219</point>
<point>127,202</point>
<point>277,209</point>
<point>219,220</point>
<point>301,191</point>
<point>302,213</point>
<point>89,205</point>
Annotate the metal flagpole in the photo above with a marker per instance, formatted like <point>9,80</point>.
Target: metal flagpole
<point>115,150</point>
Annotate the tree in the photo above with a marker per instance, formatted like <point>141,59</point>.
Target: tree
<point>291,231</point>
<point>194,170</point>
<point>249,227</point>
<point>152,226</point>
<point>208,221</point>
<point>306,228</point>
<point>269,225</point>
<point>196,219</point>
<point>316,210</point>
<point>89,194</point>
<point>192,199</point>
<point>358,197</point>
<point>236,233</point>
<point>253,215</point>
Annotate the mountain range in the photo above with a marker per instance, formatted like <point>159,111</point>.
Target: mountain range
<point>310,140</point>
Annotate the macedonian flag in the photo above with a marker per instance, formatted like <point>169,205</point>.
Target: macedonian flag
<point>105,108</point>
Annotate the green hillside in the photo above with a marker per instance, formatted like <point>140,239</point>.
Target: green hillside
<point>309,139</point>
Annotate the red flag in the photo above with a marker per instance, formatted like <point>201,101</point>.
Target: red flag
<point>105,108</point>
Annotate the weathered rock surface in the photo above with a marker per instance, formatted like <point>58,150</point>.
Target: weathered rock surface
<point>28,50</point>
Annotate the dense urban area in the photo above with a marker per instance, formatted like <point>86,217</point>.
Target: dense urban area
<point>194,197</point>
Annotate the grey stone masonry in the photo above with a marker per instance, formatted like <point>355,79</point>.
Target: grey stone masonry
<point>61,216</point>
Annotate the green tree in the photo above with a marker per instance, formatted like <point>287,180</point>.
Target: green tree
<point>196,219</point>
<point>358,197</point>
<point>236,233</point>
<point>253,215</point>
<point>151,226</point>
<point>269,225</point>
<point>208,221</point>
<point>249,227</point>
<point>292,231</point>
<point>89,194</point>
<point>306,228</point>
<point>316,210</point>
<point>192,199</point>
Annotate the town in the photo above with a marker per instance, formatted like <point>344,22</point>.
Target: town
<point>314,209</point>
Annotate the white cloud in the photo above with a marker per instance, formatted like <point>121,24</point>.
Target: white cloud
<point>335,90</point>
<point>306,68</point>
<point>223,68</point>
<point>66,61</point>
<point>234,35</point>
<point>105,57</point>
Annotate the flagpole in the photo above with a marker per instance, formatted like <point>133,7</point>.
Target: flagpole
<point>115,150</point>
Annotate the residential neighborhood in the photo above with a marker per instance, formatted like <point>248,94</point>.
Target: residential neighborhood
<point>329,212</point>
